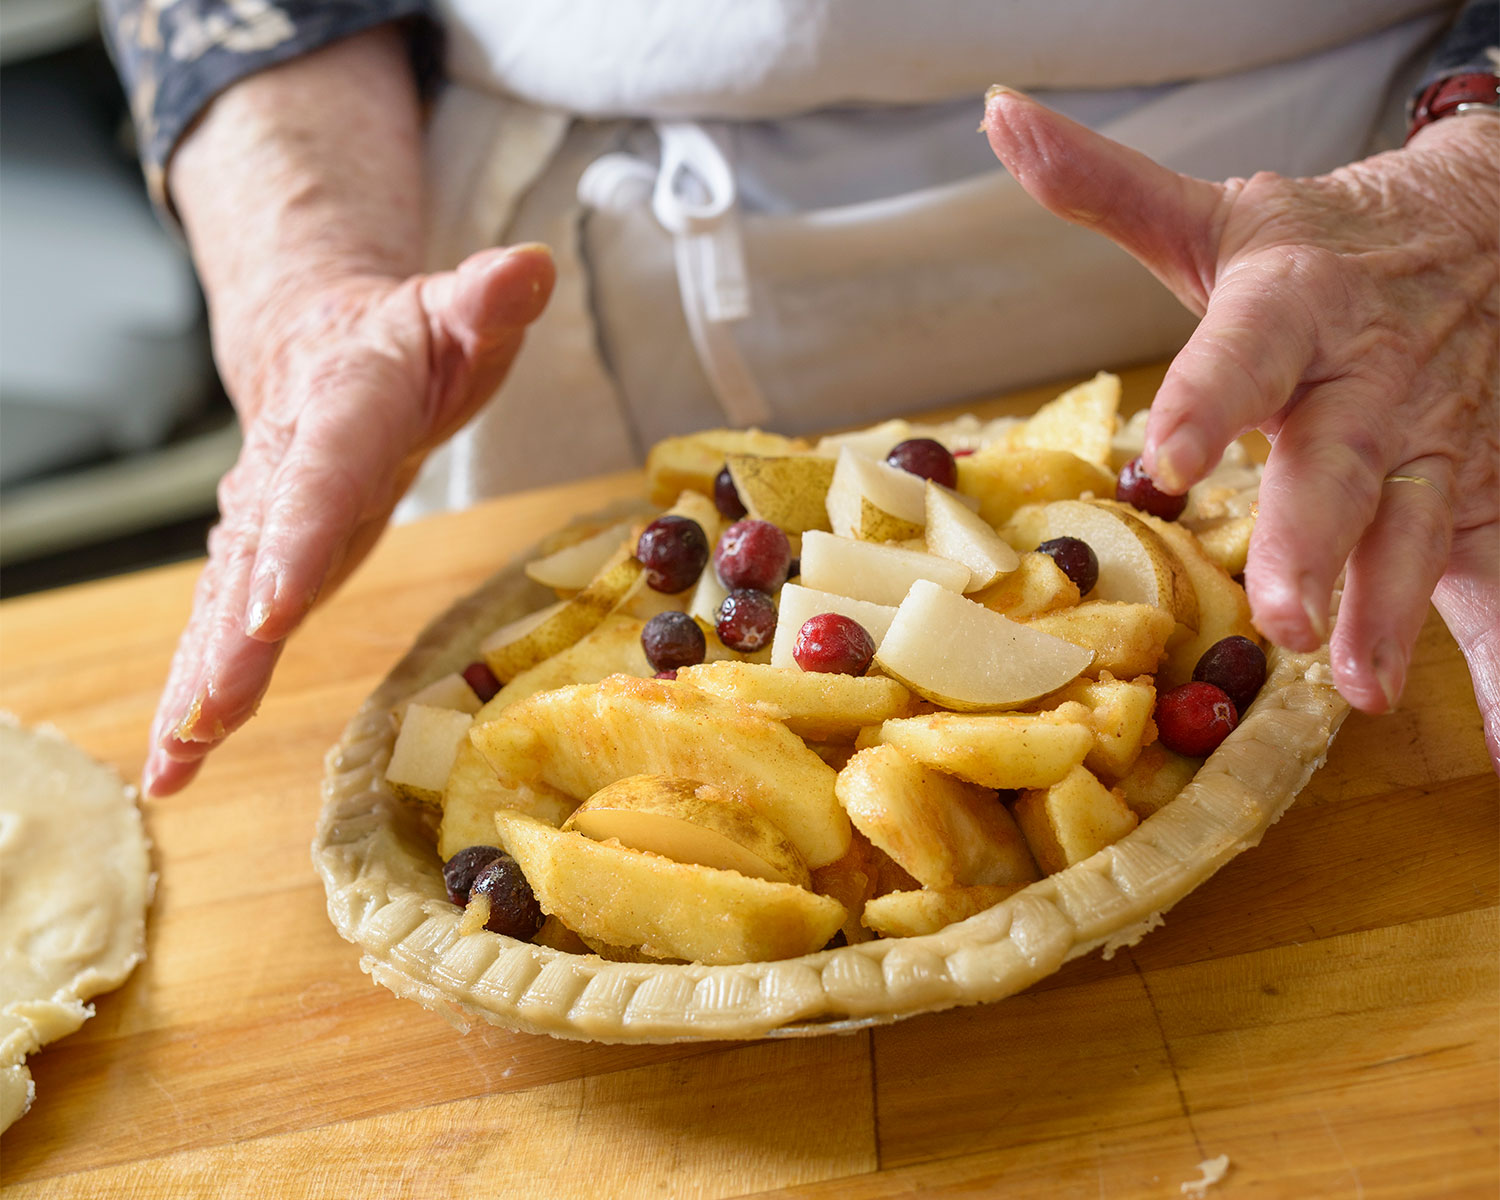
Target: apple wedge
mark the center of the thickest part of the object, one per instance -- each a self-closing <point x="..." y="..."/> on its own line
<point x="996" y="750"/>
<point x="424" y="750"/>
<point x="790" y="491"/>
<point x="609" y="893"/>
<point x="912" y="914"/>
<point x="583" y="738"/>
<point x="963" y="656"/>
<point x="1037" y="585"/>
<point x="573" y="567"/>
<point x="823" y="707"/>
<point x="1122" y="712"/>
<point x="796" y="604"/>
<point x="689" y="822"/>
<point x="873" y="501"/>
<point x="677" y="464"/>
<point x="871" y="571"/>
<point x="943" y="831"/>
<point x="1136" y="566"/>
<point x="1081" y="421"/>
<point x="532" y="639"/>
<point x="1072" y="820"/>
<point x="474" y="793"/>
<point x="952" y="530"/>
<point x="1155" y="779"/>
<point x="1006" y="480"/>
<point x="1126" y="639"/>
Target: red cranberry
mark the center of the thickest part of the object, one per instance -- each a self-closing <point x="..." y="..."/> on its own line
<point x="671" y="640"/>
<point x="1194" y="718"/>
<point x="482" y="680"/>
<point x="460" y="871"/>
<point x="925" y="457"/>
<point x="1076" y="559"/>
<point x="1135" y="487"/>
<point x="752" y="554"/>
<point x="727" y="496"/>
<point x="962" y="453"/>
<point x="1237" y="666"/>
<point x="668" y="675"/>
<point x="673" y="550"/>
<point x="514" y="910"/>
<point x="834" y="644"/>
<point x="746" y="620"/>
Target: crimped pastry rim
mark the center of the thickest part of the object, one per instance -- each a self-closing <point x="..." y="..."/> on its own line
<point x="378" y="861"/>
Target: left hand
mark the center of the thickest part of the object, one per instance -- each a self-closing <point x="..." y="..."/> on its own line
<point x="1353" y="318"/>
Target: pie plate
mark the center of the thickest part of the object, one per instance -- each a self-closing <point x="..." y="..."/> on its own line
<point x="378" y="860"/>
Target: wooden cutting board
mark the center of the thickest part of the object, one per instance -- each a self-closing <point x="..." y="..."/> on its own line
<point x="1323" y="1012"/>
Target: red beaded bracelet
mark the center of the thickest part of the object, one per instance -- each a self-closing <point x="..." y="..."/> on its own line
<point x="1455" y="94"/>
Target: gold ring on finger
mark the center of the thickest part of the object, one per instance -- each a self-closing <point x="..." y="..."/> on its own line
<point x="1399" y="477"/>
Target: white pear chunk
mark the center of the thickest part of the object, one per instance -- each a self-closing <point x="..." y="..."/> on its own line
<point x="797" y="603"/>
<point x="872" y="571"/>
<point x="873" y="500"/>
<point x="1136" y="566"/>
<point x="963" y="656"/>
<point x="708" y="595"/>
<point x="424" y="752"/>
<point x="690" y="822"/>
<point x="953" y="531"/>
<point x="573" y="567"/>
<point x="875" y="442"/>
<point x="447" y="691"/>
<point x="623" y="897"/>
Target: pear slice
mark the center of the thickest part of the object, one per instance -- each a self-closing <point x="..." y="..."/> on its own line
<point x="870" y="571"/>
<point x="689" y="822"/>
<point x="573" y="567"/>
<point x="609" y="893"/>
<point x="874" y="442"/>
<point x="796" y="604"/>
<point x="790" y="491"/>
<point x="450" y="691"/>
<point x="953" y="531"/>
<point x="692" y="462"/>
<point x="424" y="751"/>
<point x="524" y="643"/>
<point x="874" y="501"/>
<point x="963" y="656"/>
<point x="1136" y="566"/>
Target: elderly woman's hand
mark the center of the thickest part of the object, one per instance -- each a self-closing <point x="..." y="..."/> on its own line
<point x="1354" y="319"/>
<point x="341" y="397"/>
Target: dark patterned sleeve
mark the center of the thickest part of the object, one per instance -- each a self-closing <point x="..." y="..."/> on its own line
<point x="175" y="56"/>
<point x="1470" y="47"/>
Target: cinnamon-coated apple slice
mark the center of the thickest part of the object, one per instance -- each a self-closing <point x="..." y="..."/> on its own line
<point x="961" y="655"/>
<point x="690" y="822"/>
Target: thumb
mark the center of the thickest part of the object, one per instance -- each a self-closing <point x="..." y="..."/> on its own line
<point x="1170" y="222"/>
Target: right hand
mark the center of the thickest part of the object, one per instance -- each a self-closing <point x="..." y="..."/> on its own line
<point x="342" y="390"/>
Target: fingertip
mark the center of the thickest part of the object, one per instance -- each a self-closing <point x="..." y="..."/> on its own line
<point x="163" y="776"/>
<point x="508" y="286"/>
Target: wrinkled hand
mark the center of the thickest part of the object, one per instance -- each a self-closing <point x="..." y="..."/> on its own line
<point x="342" y="390"/>
<point x="1353" y="318"/>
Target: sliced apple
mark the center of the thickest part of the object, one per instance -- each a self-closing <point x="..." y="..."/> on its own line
<point x="1136" y="566"/>
<point x="1122" y="711"/>
<point x="424" y="751"/>
<point x="796" y="604"/>
<point x="513" y="648"/>
<point x="1072" y="820"/>
<point x="819" y="706"/>
<point x="677" y="464"/>
<point x="1037" y="585"/>
<point x="790" y="491"/>
<point x="997" y="750"/>
<point x="474" y="793"/>
<point x="851" y="880"/>
<point x="1081" y="421"/>
<point x="913" y="914"/>
<point x="1004" y="480"/>
<point x="874" y="501"/>
<point x="573" y="567"/>
<point x="1155" y="779"/>
<point x="943" y="831"/>
<point x="1226" y="540"/>
<point x="623" y="897"/>
<point x="689" y="822"/>
<point x="961" y="655"/>
<point x="1126" y="639"/>
<point x="954" y="531"/>
<point x="447" y="691"/>
<point x="870" y="571"/>
<point x="580" y="739"/>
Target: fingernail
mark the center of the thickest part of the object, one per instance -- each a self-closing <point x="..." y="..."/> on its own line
<point x="181" y="730"/>
<point x="1389" y="665"/>
<point x="1179" y="461"/>
<point x="1000" y="89"/>
<point x="532" y="248"/>
<point x="258" y="606"/>
<point x="1314" y="604"/>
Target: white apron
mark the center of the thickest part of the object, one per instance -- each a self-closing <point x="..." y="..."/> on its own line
<point x="778" y="212"/>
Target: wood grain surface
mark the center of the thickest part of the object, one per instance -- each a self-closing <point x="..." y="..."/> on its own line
<point x="1323" y="1012"/>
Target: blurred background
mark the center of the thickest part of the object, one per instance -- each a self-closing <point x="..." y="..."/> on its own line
<point x="113" y="427"/>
